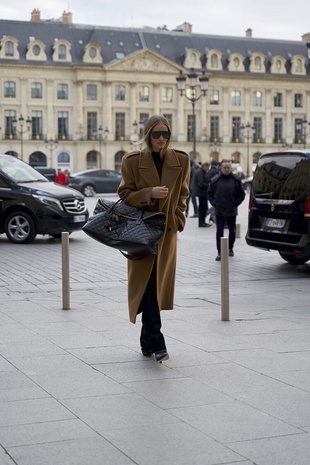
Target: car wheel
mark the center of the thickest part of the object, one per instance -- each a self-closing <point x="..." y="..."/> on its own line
<point x="89" y="191"/>
<point x="292" y="259"/>
<point x="20" y="228"/>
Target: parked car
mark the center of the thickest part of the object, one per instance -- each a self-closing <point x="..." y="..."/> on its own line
<point x="49" y="173"/>
<point x="90" y="182"/>
<point x="31" y="205"/>
<point x="279" y="205"/>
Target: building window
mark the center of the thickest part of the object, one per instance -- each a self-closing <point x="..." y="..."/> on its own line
<point x="143" y="117"/>
<point x="37" y="125"/>
<point x="214" y="61"/>
<point x="298" y="66"/>
<point x="62" y="52"/>
<point x="36" y="50"/>
<point x="298" y="100"/>
<point x="278" y="130"/>
<point x="235" y="134"/>
<point x="91" y="125"/>
<point x="91" y="159"/>
<point x="144" y="93"/>
<point x="236" y="98"/>
<point x="91" y="90"/>
<point x="190" y="127"/>
<point x="214" y="128"/>
<point x="258" y="132"/>
<point x="257" y="99"/>
<point x="277" y="100"/>
<point x="9" y="117"/>
<point x="9" y="89"/>
<point x="120" y="93"/>
<point x="119" y="126"/>
<point x="92" y="52"/>
<point x="36" y="90"/>
<point x="63" y="125"/>
<point x="168" y="117"/>
<point x="258" y="63"/>
<point x="167" y="93"/>
<point x="298" y="131"/>
<point x="214" y="97"/>
<point x="9" y="49"/>
<point x="62" y="91"/>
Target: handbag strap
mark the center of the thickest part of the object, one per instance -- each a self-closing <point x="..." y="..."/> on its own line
<point x="133" y="257"/>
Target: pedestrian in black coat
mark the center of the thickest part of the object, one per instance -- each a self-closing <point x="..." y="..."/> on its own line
<point x="200" y="189"/>
<point x="226" y="193"/>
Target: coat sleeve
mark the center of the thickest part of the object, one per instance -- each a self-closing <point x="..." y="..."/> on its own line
<point x="240" y="194"/>
<point x="184" y="193"/>
<point x="211" y="194"/>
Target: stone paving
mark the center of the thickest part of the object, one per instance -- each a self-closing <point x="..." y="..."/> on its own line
<point x="75" y="389"/>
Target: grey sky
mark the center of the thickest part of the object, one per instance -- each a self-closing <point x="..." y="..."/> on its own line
<point x="275" y="19"/>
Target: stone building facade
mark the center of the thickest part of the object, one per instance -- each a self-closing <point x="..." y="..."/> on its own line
<point x="76" y="96"/>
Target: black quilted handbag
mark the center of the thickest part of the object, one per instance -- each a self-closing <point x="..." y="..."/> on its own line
<point x="135" y="231"/>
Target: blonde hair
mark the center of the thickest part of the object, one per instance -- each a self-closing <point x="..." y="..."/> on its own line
<point x="148" y="128"/>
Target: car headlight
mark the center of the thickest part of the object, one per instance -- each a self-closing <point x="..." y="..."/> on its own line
<point x="50" y="201"/>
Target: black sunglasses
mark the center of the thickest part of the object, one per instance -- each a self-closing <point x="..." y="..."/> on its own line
<point x="157" y="134"/>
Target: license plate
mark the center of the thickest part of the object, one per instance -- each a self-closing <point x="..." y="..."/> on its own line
<point x="79" y="219"/>
<point x="275" y="223"/>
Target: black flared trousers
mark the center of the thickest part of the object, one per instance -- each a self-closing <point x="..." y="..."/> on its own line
<point x="151" y="338"/>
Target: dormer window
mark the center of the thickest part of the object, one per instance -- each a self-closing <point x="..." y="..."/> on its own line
<point x="62" y="52"/>
<point x="9" y="49"/>
<point x="36" y="50"/>
<point x="92" y="52"/>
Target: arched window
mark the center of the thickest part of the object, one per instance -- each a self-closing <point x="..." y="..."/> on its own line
<point x="91" y="159"/>
<point x="214" y="61"/>
<point x="37" y="159"/>
<point x="258" y="63"/>
<point x="118" y="160"/>
<point x="256" y="156"/>
<point x="62" y="52"/>
<point x="9" y="49"/>
<point x="235" y="158"/>
<point x="11" y="152"/>
<point x="63" y="157"/>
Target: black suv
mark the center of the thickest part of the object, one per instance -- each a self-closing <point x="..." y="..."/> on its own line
<point x="279" y="205"/>
<point x="31" y="205"/>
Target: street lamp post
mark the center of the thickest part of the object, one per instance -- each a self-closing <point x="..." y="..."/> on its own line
<point x="21" y="130"/>
<point x="248" y="129"/>
<point x="51" y="144"/>
<point x="193" y="97"/>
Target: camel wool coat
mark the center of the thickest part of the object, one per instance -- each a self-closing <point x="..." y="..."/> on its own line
<point x="139" y="176"/>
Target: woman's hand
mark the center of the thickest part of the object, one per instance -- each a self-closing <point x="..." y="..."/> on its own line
<point x="159" y="192"/>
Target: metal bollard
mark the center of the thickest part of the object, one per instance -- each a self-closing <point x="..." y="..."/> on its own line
<point x="238" y="230"/>
<point x="65" y="271"/>
<point x="224" y="279"/>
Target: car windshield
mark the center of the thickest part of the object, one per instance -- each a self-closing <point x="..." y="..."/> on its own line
<point x="283" y="175"/>
<point x="19" y="171"/>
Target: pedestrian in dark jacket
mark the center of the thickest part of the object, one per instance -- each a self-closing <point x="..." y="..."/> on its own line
<point x="226" y="193"/>
<point x="200" y="189"/>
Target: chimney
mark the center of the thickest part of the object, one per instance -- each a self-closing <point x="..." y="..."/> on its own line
<point x="67" y="18"/>
<point x="248" y="32"/>
<point x="35" y="15"/>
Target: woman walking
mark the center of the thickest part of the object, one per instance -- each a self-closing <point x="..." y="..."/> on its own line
<point x="155" y="178"/>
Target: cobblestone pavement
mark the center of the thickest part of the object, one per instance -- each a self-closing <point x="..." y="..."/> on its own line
<point x="75" y="389"/>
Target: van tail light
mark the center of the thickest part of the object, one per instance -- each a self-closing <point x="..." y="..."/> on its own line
<point x="307" y="208"/>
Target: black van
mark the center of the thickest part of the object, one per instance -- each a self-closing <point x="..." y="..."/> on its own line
<point x="30" y="204"/>
<point x="279" y="205"/>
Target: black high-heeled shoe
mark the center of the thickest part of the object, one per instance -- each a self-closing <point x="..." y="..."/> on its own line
<point x="161" y="356"/>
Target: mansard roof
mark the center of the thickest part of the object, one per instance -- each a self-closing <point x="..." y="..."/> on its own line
<point x="117" y="43"/>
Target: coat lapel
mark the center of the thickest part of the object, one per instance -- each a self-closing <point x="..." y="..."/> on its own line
<point x="148" y="169"/>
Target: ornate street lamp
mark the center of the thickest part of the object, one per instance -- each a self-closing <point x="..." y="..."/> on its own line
<point x="192" y="95"/>
<point x="249" y="129"/>
<point x="21" y="130"/>
<point x="51" y="144"/>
